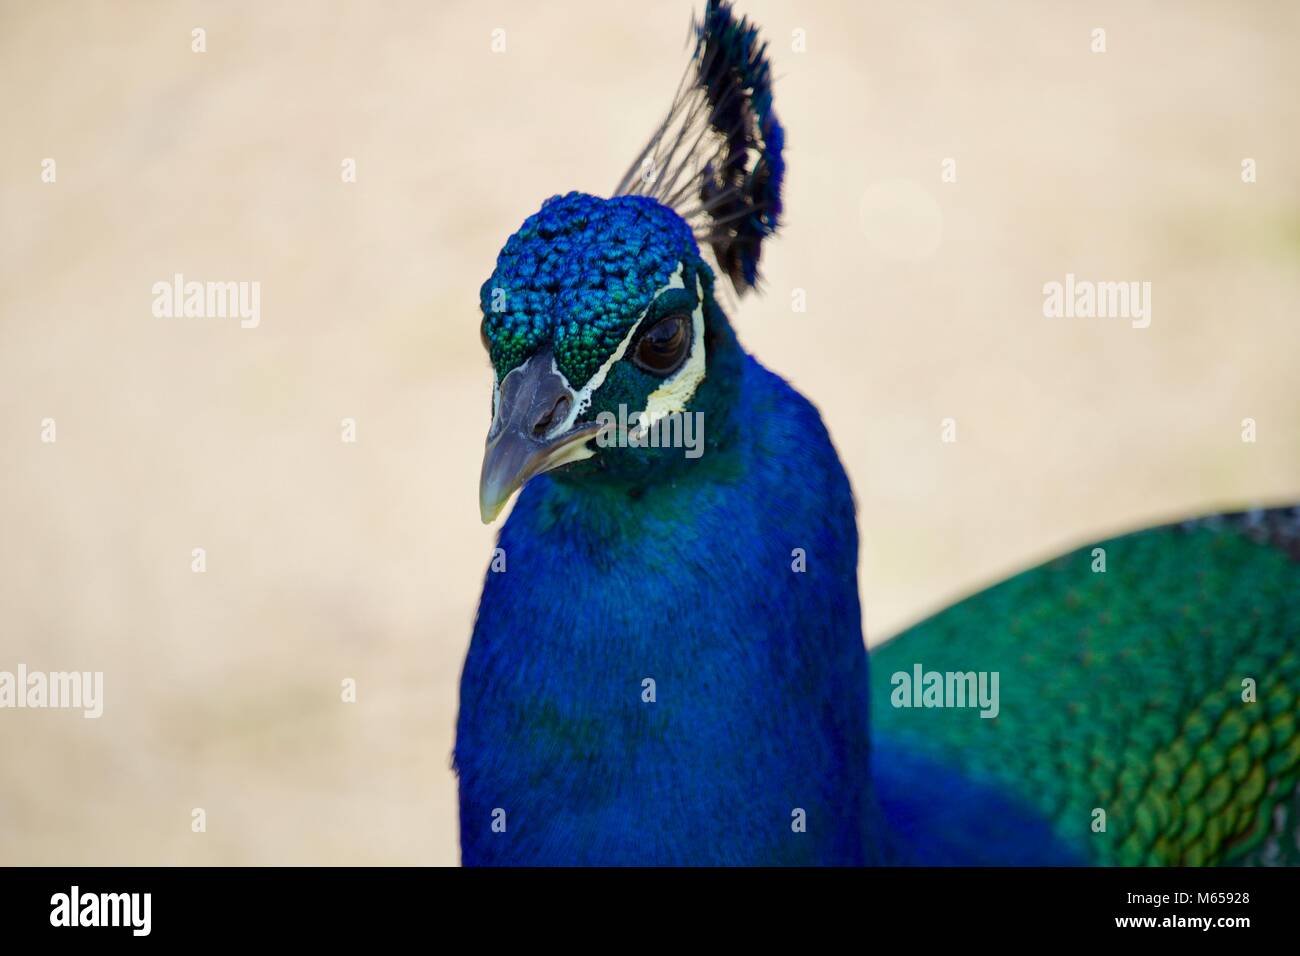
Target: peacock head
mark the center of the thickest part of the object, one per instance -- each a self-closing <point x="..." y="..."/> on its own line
<point x="596" y="313"/>
<point x="602" y="311"/>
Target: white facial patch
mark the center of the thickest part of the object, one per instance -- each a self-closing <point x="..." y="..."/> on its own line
<point x="679" y="387"/>
<point x="582" y="396"/>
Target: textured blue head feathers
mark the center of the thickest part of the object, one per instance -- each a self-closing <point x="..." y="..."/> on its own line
<point x="576" y="276"/>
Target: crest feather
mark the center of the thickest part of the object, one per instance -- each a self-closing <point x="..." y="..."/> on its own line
<point x="716" y="158"/>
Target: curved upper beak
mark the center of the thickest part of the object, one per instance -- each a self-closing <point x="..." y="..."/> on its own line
<point x="533" y="403"/>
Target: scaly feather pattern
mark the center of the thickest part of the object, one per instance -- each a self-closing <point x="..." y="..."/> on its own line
<point x="1163" y="692"/>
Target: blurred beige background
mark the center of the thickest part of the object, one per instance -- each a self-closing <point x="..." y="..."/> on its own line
<point x="329" y="560"/>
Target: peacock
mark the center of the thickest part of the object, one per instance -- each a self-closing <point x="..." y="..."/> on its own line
<point x="667" y="665"/>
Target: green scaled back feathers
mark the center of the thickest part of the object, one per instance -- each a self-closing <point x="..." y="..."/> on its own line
<point x="1164" y="691"/>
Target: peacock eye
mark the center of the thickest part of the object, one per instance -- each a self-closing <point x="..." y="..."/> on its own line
<point x="662" y="349"/>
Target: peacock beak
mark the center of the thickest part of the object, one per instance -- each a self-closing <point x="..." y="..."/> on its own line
<point x="527" y="436"/>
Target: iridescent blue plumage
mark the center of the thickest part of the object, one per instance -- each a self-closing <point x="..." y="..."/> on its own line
<point x="670" y="667"/>
<point x="760" y="673"/>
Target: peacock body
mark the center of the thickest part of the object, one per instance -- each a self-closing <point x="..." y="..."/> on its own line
<point x="668" y="666"/>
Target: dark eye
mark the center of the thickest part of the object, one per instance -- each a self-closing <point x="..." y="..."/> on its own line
<point x="664" y="346"/>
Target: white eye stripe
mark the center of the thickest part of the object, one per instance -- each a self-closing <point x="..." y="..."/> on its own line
<point x="582" y="396"/>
